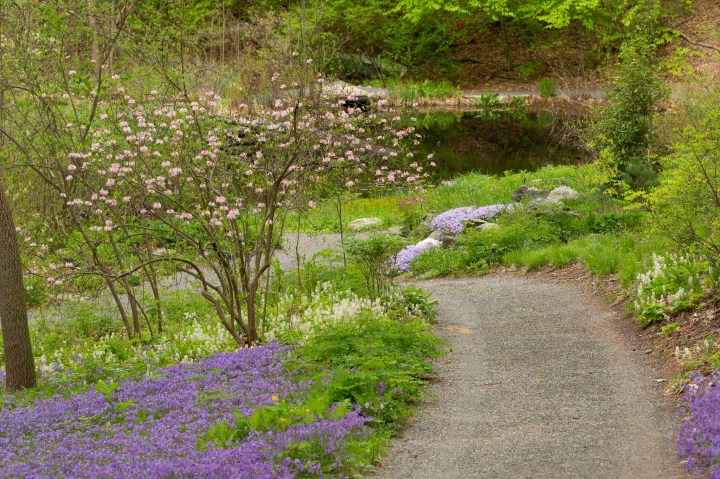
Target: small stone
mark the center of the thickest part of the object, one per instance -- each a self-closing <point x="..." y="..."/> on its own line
<point x="436" y="235"/>
<point x="363" y="223"/>
<point x="541" y="203"/>
<point x="448" y="241"/>
<point x="159" y="252"/>
<point x="486" y="226"/>
<point x="528" y="193"/>
<point x="562" y="193"/>
<point x="430" y="241"/>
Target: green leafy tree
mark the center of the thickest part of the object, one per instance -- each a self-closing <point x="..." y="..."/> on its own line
<point x="622" y="136"/>
<point x="551" y="13"/>
<point x="686" y="204"/>
<point x="378" y="29"/>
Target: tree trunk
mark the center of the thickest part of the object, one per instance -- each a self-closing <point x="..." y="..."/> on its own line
<point x="94" y="37"/>
<point x="19" y="362"/>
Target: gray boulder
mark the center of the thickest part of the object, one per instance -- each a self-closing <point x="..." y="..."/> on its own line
<point x="446" y="239"/>
<point x="556" y="196"/>
<point x="562" y="193"/>
<point x="436" y="235"/>
<point x="528" y="193"/>
<point x="432" y="243"/>
<point x="542" y="203"/>
<point x="363" y="223"/>
<point x="486" y="226"/>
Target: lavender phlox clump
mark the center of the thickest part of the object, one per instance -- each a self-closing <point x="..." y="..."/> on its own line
<point x="406" y="255"/>
<point x="452" y="221"/>
<point x="699" y="436"/>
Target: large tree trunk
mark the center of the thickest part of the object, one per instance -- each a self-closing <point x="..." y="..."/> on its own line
<point x="19" y="362"/>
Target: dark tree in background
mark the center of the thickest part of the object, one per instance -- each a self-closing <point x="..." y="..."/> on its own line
<point x="19" y="362"/>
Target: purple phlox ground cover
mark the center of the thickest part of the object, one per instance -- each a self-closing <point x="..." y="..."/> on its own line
<point x="406" y="255"/>
<point x="699" y="436"/>
<point x="452" y="221"/>
<point x="449" y="222"/>
<point x="150" y="428"/>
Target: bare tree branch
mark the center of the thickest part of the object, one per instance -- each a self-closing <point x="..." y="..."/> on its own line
<point x="697" y="44"/>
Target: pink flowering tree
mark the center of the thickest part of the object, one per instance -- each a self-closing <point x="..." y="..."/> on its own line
<point x="392" y="167"/>
<point x="137" y="184"/>
<point x="165" y="183"/>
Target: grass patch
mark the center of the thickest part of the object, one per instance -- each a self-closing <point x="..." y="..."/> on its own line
<point x="626" y="254"/>
<point x="398" y="208"/>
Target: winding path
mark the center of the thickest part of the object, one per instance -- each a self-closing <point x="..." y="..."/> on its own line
<point x="541" y="384"/>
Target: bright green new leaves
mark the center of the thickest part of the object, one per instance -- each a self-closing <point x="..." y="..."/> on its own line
<point x="686" y="205"/>
<point x="559" y="13"/>
<point x="550" y="13"/>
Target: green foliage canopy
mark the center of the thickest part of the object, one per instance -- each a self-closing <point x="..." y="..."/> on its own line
<point x="548" y="13"/>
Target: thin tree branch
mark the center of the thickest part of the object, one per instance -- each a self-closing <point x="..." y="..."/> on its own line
<point x="697" y="44"/>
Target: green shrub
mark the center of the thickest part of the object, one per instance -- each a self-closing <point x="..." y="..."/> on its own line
<point x="442" y="262"/>
<point x="624" y="253"/>
<point x="614" y="222"/>
<point x="415" y="300"/>
<point x="670" y="329"/>
<point x="557" y="255"/>
<point x="377" y="363"/>
<point x="372" y="258"/>
<point x="686" y="204"/>
<point x="621" y="135"/>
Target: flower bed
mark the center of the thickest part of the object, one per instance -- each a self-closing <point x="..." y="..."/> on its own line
<point x="181" y="422"/>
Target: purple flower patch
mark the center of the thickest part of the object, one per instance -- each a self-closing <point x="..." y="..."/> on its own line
<point x="151" y="428"/>
<point x="406" y="255"/>
<point x="699" y="436"/>
<point x="451" y="221"/>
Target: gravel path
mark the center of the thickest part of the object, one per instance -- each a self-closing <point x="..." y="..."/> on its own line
<point x="307" y="247"/>
<point x="541" y="384"/>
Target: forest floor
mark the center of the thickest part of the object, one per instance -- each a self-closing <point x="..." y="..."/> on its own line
<point x="543" y="381"/>
<point x="485" y="63"/>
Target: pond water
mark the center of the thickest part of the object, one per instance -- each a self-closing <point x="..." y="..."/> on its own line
<point x="495" y="142"/>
